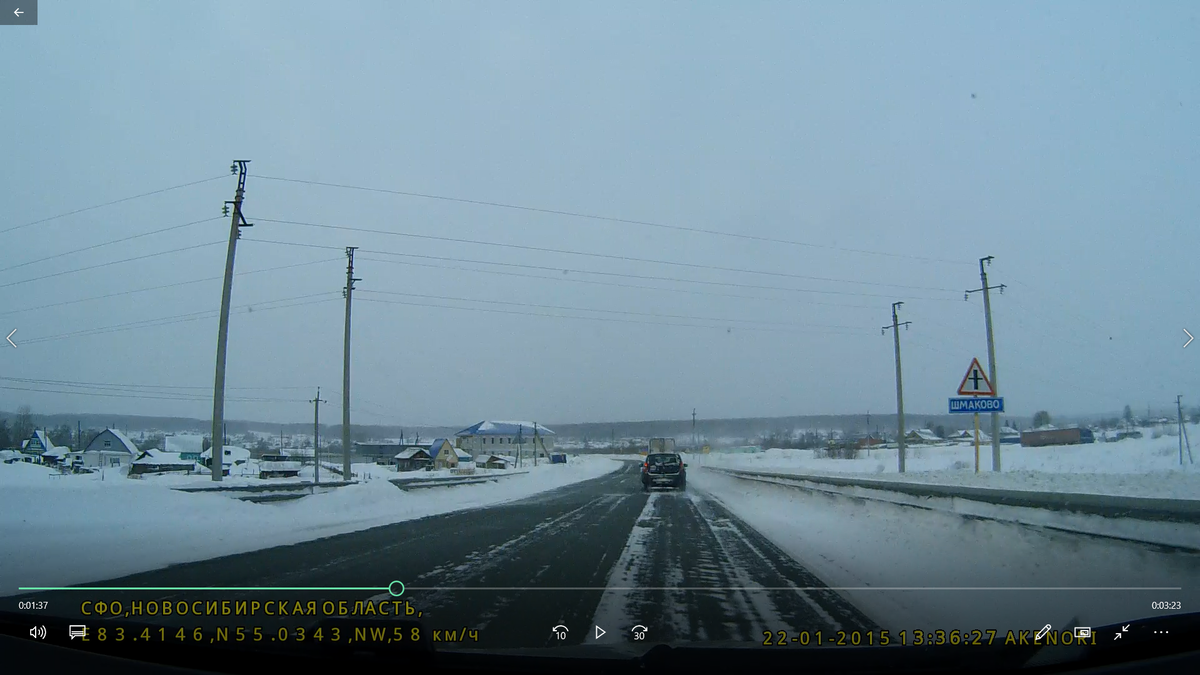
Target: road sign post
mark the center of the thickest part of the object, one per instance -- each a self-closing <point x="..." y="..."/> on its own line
<point x="976" y="395"/>
<point x="976" y="442"/>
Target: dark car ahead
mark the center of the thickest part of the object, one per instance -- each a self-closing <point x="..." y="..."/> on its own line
<point x="664" y="469"/>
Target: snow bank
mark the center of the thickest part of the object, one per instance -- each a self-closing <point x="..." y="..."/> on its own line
<point x="908" y="569"/>
<point x="1144" y="467"/>
<point x="58" y="530"/>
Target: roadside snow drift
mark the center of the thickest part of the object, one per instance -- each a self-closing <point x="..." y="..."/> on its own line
<point x="70" y="529"/>
<point x="1143" y="467"/>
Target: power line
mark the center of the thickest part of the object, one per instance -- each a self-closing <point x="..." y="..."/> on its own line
<point x="626" y="221"/>
<point x="602" y="319"/>
<point x="612" y="311"/>
<point x="147" y="397"/>
<point x="111" y="262"/>
<point x="619" y="285"/>
<point x="109" y="243"/>
<point x="163" y="286"/>
<point x="115" y="201"/>
<point x="607" y="274"/>
<point x="180" y="318"/>
<point x="605" y="256"/>
<point x="102" y="385"/>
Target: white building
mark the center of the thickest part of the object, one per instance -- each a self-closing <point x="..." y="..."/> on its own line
<point x="506" y="438"/>
<point x="110" y="449"/>
<point x="235" y="456"/>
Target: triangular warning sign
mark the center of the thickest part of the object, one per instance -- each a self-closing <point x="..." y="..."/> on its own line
<point x="975" y="382"/>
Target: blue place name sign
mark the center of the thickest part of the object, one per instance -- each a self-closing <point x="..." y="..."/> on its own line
<point x="977" y="404"/>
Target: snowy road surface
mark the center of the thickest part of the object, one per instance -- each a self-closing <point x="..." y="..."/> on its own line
<point x="598" y="551"/>
<point x="723" y="562"/>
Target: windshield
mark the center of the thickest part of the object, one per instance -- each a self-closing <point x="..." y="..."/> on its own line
<point x="601" y="325"/>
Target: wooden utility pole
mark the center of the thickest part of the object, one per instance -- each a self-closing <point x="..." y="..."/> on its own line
<point x="693" y="429"/>
<point x="348" y="292"/>
<point x="236" y="223"/>
<point x="899" y="382"/>
<point x="316" y="435"/>
<point x="991" y="347"/>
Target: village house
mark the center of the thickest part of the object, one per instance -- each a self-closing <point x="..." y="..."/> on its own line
<point x="187" y="446"/>
<point x="154" y="461"/>
<point x="495" y="461"/>
<point x="39" y="449"/>
<point x="969" y="435"/>
<point x="921" y="437"/>
<point x="235" y="456"/>
<point x="109" y="449"/>
<point x="446" y="456"/>
<point x="380" y="453"/>
<point x="413" y="458"/>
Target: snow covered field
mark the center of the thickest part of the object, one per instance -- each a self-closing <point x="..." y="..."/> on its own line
<point x="1143" y="467"/>
<point x="69" y="529"/>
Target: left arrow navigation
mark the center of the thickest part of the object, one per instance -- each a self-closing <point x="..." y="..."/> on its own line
<point x="9" y="338"/>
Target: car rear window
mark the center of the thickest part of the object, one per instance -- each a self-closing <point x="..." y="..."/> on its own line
<point x="664" y="459"/>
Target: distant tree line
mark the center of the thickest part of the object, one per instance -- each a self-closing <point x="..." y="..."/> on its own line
<point x="804" y="441"/>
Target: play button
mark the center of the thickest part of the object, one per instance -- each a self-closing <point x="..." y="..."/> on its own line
<point x="600" y="632"/>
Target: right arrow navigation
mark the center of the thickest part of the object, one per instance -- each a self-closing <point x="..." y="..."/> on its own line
<point x="600" y="632"/>
<point x="1190" y="338"/>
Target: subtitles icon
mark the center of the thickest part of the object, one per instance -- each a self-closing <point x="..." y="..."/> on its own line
<point x="76" y="630"/>
<point x="1082" y="632"/>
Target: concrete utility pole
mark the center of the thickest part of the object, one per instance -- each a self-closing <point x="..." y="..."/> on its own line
<point x="1183" y="434"/>
<point x="899" y="382"/>
<point x="316" y="436"/>
<point x="535" y="444"/>
<point x="520" y="443"/>
<point x="1179" y="411"/>
<point x="991" y="346"/>
<point x="236" y="223"/>
<point x="348" y="292"/>
<point x="693" y="429"/>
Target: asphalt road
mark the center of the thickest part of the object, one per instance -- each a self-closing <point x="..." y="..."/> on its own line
<point x="600" y="552"/>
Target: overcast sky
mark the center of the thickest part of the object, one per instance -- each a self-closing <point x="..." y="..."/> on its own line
<point x="864" y="153"/>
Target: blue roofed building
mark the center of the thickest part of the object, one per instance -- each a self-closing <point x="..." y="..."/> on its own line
<point x="506" y="438"/>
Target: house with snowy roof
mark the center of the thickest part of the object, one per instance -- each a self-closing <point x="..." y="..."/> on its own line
<point x="969" y="435"/>
<point x="235" y="456"/>
<point x="446" y="456"/>
<point x="921" y="437"/>
<point x="506" y="438"/>
<point x="413" y="458"/>
<point x="153" y="460"/>
<point x="187" y="446"/>
<point x="110" y="449"/>
<point x="490" y="461"/>
<point x="39" y="449"/>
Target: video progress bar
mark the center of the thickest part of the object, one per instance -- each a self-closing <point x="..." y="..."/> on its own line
<point x="522" y="589"/>
<point x="791" y="588"/>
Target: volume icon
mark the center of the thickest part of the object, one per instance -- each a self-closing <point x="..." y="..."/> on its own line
<point x="38" y="632"/>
